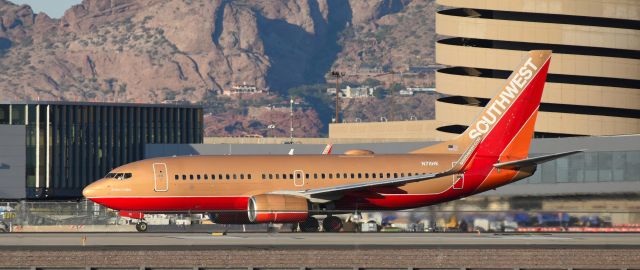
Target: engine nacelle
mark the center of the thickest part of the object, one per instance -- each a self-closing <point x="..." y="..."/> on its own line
<point x="277" y="208"/>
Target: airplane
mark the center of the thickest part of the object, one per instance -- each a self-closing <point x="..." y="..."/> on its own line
<point x="492" y="152"/>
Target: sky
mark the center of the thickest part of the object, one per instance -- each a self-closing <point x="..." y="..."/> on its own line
<point x="53" y="8"/>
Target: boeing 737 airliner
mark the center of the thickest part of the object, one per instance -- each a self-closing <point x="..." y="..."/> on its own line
<point x="491" y="153"/>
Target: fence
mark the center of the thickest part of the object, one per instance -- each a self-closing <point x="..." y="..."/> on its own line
<point x="87" y="216"/>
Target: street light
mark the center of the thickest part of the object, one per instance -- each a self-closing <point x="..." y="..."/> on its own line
<point x="338" y="75"/>
<point x="272" y="127"/>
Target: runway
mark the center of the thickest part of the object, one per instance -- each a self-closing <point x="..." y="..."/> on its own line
<point x="319" y="250"/>
<point x="334" y="240"/>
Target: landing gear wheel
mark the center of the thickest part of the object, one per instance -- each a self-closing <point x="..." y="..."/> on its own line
<point x="141" y="226"/>
<point x="332" y="224"/>
<point x="309" y="225"/>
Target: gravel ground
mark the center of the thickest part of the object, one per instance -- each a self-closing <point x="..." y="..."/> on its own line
<point x="191" y="256"/>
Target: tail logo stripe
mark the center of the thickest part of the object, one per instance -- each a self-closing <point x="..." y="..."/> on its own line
<point x="498" y="106"/>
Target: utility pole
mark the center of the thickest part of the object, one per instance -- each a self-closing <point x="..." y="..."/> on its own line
<point x="291" y="121"/>
<point x="338" y="75"/>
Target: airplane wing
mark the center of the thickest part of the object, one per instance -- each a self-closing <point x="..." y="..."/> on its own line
<point x="459" y="166"/>
<point x="533" y="161"/>
<point x="389" y="182"/>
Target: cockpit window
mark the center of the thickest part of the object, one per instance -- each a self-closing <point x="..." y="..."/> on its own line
<point x="119" y="176"/>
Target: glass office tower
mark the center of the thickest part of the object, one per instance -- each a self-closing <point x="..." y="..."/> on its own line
<point x="70" y="144"/>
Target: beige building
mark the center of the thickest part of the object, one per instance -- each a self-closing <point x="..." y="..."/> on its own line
<point x="593" y="86"/>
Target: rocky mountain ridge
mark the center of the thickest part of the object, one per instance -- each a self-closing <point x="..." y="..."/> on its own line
<point x="189" y="50"/>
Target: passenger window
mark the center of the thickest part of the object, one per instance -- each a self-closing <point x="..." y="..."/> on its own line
<point x="198" y="176"/>
<point x="373" y="175"/>
<point x="359" y="175"/>
<point x="366" y="175"/>
<point x="227" y="176"/>
<point x="330" y="176"/>
<point x="395" y="175"/>
<point x="277" y="176"/>
<point x="315" y="176"/>
<point x="242" y="176"/>
<point x="177" y="177"/>
<point x="184" y="177"/>
<point x="388" y="175"/>
<point x="306" y="176"/>
<point x="401" y="174"/>
<point x="345" y="176"/>
<point x="284" y="176"/>
<point x="290" y="176"/>
<point x="191" y="176"/>
<point x="219" y="176"/>
<point x="353" y="176"/>
<point x="337" y="175"/>
<point x="249" y="176"/>
<point x="213" y="177"/>
<point x="235" y="176"/>
<point x="322" y="175"/>
<point x="206" y="177"/>
<point x="409" y="174"/>
<point x="270" y="176"/>
<point x="299" y="175"/>
<point x="381" y="175"/>
<point x="264" y="176"/>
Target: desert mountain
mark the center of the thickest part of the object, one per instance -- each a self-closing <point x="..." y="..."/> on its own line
<point x="157" y="50"/>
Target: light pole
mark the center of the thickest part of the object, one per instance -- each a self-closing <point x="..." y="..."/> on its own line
<point x="272" y="127"/>
<point x="338" y="75"/>
<point x="291" y="121"/>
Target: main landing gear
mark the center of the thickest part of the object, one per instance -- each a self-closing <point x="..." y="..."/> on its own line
<point x="332" y="224"/>
<point x="141" y="226"/>
<point x="309" y="225"/>
<point x="329" y="224"/>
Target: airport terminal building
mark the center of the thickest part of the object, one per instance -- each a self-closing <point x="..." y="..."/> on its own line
<point x="54" y="149"/>
<point x="609" y="165"/>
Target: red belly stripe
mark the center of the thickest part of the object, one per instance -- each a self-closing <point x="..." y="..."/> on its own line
<point x="169" y="204"/>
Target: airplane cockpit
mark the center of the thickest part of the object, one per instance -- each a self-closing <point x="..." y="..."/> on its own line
<point x="118" y="176"/>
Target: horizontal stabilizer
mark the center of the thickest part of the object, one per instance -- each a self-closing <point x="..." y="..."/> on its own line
<point x="533" y="161"/>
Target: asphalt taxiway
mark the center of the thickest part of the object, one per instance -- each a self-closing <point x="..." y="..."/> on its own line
<point x="319" y="250"/>
<point x="337" y="240"/>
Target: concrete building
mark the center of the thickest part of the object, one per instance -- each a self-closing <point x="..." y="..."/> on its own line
<point x="54" y="149"/>
<point x="242" y="89"/>
<point x="593" y="86"/>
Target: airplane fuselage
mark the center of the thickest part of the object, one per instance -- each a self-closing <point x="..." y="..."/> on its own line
<point x="225" y="183"/>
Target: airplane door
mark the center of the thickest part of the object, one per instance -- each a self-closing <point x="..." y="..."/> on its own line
<point x="298" y="178"/>
<point x="161" y="181"/>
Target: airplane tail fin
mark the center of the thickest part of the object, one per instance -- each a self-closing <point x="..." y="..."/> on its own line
<point x="505" y="126"/>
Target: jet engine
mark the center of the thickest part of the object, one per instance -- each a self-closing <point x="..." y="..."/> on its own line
<point x="277" y="208"/>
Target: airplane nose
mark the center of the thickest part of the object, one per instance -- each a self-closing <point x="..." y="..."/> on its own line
<point x="92" y="190"/>
<point x="88" y="191"/>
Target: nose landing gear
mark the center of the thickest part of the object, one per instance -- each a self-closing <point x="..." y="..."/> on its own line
<point x="141" y="226"/>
